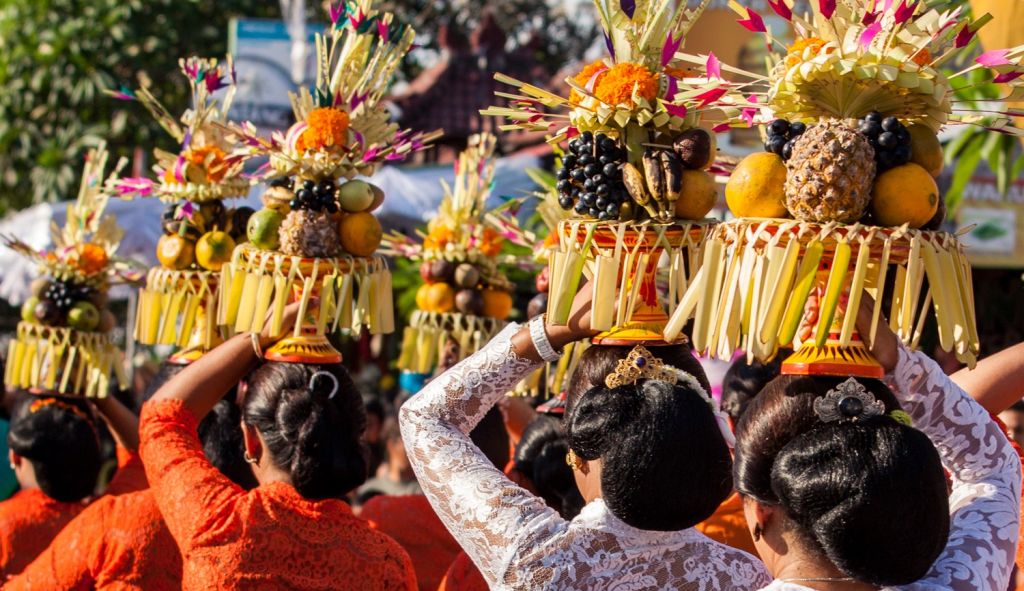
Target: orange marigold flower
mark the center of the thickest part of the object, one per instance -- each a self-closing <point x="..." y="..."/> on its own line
<point x="326" y="127"/>
<point x="92" y="258"/>
<point x="922" y="58"/>
<point x="490" y="244"/>
<point x="209" y="158"/>
<point x="583" y="78"/>
<point x="438" y="238"/>
<point x="617" y="84"/>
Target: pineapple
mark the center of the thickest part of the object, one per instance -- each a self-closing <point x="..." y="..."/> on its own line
<point x="309" y="234"/>
<point x="830" y="174"/>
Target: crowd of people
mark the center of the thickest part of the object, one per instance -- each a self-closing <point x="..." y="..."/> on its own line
<point x="242" y="473"/>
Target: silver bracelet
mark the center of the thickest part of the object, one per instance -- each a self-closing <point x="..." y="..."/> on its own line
<point x="540" y="339"/>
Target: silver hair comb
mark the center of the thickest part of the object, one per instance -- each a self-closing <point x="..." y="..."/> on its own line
<point x="849" y="401"/>
<point x="324" y="374"/>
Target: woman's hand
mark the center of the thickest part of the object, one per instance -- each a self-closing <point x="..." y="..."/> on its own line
<point x="288" y="320"/>
<point x="886" y="345"/>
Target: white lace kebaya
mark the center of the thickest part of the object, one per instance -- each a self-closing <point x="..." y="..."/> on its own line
<point x="517" y="541"/>
<point x="986" y="473"/>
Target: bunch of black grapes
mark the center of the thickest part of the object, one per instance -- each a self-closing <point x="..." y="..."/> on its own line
<point x="590" y="180"/>
<point x="888" y="137"/>
<point x="314" y="196"/>
<point x="781" y="135"/>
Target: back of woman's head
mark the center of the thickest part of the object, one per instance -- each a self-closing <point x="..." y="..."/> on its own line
<point x="60" y="440"/>
<point x="597" y="362"/>
<point x="540" y="456"/>
<point x="311" y="419"/>
<point x="868" y="493"/>
<point x="664" y="463"/>
<point x="223" y="443"/>
<point x="743" y="381"/>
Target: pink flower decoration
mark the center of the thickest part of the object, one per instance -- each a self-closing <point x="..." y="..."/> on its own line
<point x="964" y="37"/>
<point x="781" y="8"/>
<point x="828" y="7"/>
<point x="996" y="57"/>
<point x="753" y="22"/>
<point x="1007" y="77"/>
<point x="713" y="66"/>
<point x="382" y="30"/>
<point x="869" y="35"/>
<point x="721" y="127"/>
<point x="710" y="96"/>
<point x="668" y="51"/>
<point x="676" y="110"/>
<point x="337" y="11"/>
<point x="904" y="11"/>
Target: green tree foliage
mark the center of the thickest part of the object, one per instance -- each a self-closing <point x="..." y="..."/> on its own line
<point x="57" y="57"/>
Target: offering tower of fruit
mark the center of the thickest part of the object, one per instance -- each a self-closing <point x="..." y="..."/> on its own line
<point x="635" y="174"/>
<point x="178" y="305"/>
<point x="64" y="345"/>
<point x="465" y="298"/>
<point x="316" y="234"/>
<point x="843" y="201"/>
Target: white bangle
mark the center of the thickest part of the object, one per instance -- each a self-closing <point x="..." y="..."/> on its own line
<point x="540" y="339"/>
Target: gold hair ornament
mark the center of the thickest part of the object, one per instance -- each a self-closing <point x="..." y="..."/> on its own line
<point x="640" y="364"/>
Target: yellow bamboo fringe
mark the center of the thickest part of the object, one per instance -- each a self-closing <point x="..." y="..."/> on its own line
<point x="63" y="361"/>
<point x="755" y="293"/>
<point x="178" y="308"/>
<point x="355" y="293"/>
<point x="424" y="340"/>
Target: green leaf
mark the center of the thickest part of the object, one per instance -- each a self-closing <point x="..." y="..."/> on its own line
<point x="964" y="168"/>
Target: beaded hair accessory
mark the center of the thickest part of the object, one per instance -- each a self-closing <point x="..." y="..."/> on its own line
<point x="640" y="364"/>
<point x="848" y="401"/>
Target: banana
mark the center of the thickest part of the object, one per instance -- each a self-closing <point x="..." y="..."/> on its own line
<point x="672" y="166"/>
<point x="829" y="304"/>
<point x="634" y="182"/>
<point x="804" y="283"/>
<point x="654" y="174"/>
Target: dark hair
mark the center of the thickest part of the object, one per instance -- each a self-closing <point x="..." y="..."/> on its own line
<point x="540" y="456"/>
<point x="665" y="465"/>
<point x="62" y="445"/>
<point x="221" y="434"/>
<point x="597" y="362"/>
<point x="309" y="432"/>
<point x="743" y="381"/>
<point x="870" y="496"/>
<point x="1017" y="406"/>
<point x="164" y="373"/>
<point x="491" y="437"/>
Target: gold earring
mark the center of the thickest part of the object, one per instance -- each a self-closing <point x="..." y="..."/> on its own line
<point x="574" y="461"/>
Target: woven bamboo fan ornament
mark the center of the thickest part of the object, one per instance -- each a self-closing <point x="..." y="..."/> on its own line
<point x="843" y="201"/>
<point x="465" y="298"/>
<point x="63" y="344"/>
<point x="638" y="171"/>
<point x="316" y="235"/>
<point x="178" y="305"/>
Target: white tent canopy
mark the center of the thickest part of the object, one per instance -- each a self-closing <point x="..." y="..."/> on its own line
<point x="413" y="195"/>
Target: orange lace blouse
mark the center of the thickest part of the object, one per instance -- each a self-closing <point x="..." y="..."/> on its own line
<point x="28" y="523"/>
<point x="267" y="538"/>
<point x="118" y="542"/>
<point x="463" y="575"/>
<point x="411" y="521"/>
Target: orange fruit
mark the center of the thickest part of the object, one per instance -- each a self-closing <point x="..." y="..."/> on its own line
<point x="440" y="297"/>
<point x="906" y="194"/>
<point x="214" y="249"/>
<point x="174" y="252"/>
<point x="699" y="195"/>
<point x="757" y="187"/>
<point x="361" y="233"/>
<point x="497" y="303"/>
<point x="423" y="297"/>
<point x="925" y="149"/>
